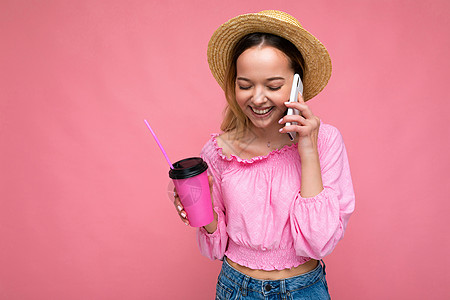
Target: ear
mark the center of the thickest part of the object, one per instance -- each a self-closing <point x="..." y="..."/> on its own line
<point x="300" y="98"/>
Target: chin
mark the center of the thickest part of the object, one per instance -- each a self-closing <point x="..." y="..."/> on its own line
<point x="263" y="124"/>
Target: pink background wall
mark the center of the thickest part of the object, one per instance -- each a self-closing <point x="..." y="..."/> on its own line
<point x="84" y="212"/>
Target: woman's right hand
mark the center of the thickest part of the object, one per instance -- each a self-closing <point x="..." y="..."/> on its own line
<point x="179" y="207"/>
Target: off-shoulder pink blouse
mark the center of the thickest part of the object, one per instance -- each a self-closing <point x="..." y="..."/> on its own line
<point x="263" y="222"/>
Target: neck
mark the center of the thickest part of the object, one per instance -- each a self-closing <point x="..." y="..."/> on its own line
<point x="270" y="137"/>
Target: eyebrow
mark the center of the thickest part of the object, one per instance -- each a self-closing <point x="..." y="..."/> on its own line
<point x="268" y="79"/>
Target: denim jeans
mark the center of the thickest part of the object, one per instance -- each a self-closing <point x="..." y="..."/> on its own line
<point x="233" y="284"/>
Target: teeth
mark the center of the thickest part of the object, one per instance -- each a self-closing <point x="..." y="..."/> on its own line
<point x="261" y="112"/>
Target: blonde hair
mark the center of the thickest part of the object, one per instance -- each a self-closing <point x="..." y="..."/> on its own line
<point x="234" y="117"/>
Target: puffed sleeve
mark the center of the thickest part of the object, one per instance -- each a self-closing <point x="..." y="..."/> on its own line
<point x="318" y="223"/>
<point x="214" y="245"/>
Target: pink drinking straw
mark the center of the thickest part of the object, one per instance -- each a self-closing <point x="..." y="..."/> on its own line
<point x="159" y="144"/>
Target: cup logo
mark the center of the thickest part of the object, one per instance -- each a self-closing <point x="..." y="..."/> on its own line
<point x="190" y="191"/>
<point x="195" y="193"/>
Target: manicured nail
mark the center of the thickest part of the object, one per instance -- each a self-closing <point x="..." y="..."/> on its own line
<point x="186" y="223"/>
<point x="183" y="215"/>
<point x="281" y="129"/>
<point x="174" y="194"/>
<point x="179" y="208"/>
<point x="281" y="120"/>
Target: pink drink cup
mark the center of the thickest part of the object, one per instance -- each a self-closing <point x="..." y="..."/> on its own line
<point x="191" y="181"/>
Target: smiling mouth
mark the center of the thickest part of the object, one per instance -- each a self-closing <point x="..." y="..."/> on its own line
<point x="261" y="111"/>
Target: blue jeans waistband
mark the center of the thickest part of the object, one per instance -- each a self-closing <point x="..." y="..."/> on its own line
<point x="272" y="286"/>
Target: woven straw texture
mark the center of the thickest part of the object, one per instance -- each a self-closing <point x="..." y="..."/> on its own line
<point x="317" y="70"/>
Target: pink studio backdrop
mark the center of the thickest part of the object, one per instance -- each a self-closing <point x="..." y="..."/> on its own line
<point x="84" y="212"/>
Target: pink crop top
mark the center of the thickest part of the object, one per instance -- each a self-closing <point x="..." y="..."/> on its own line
<point x="263" y="222"/>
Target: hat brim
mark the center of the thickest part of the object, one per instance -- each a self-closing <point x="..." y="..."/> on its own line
<point x="317" y="68"/>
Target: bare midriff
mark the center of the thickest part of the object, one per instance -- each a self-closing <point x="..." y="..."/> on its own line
<point x="275" y="274"/>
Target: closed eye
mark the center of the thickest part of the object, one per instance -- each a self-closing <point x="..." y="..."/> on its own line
<point x="244" y="87"/>
<point x="274" y="88"/>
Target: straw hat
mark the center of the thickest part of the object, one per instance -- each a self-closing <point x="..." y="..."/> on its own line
<point x="317" y="69"/>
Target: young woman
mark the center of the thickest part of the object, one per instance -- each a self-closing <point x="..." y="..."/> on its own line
<point x="280" y="206"/>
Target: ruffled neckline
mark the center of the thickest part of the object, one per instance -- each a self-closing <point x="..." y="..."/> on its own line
<point x="236" y="158"/>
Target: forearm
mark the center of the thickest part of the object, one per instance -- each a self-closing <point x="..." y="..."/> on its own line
<point x="311" y="176"/>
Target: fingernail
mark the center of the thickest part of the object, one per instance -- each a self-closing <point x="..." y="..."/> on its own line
<point x="186" y="223"/>
<point x="183" y="215"/>
<point x="281" y="129"/>
<point x="179" y="208"/>
<point x="286" y="102"/>
<point x="174" y="194"/>
<point x="281" y="120"/>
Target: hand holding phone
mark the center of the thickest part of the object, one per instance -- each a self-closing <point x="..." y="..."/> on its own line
<point x="297" y="87"/>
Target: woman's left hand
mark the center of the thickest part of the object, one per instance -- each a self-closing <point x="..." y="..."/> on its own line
<point x="307" y="127"/>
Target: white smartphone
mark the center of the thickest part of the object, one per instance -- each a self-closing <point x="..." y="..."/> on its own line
<point x="297" y="87"/>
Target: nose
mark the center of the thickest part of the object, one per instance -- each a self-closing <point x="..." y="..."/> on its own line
<point x="259" y="97"/>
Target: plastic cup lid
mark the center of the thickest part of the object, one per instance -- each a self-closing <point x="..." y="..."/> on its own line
<point x="187" y="168"/>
